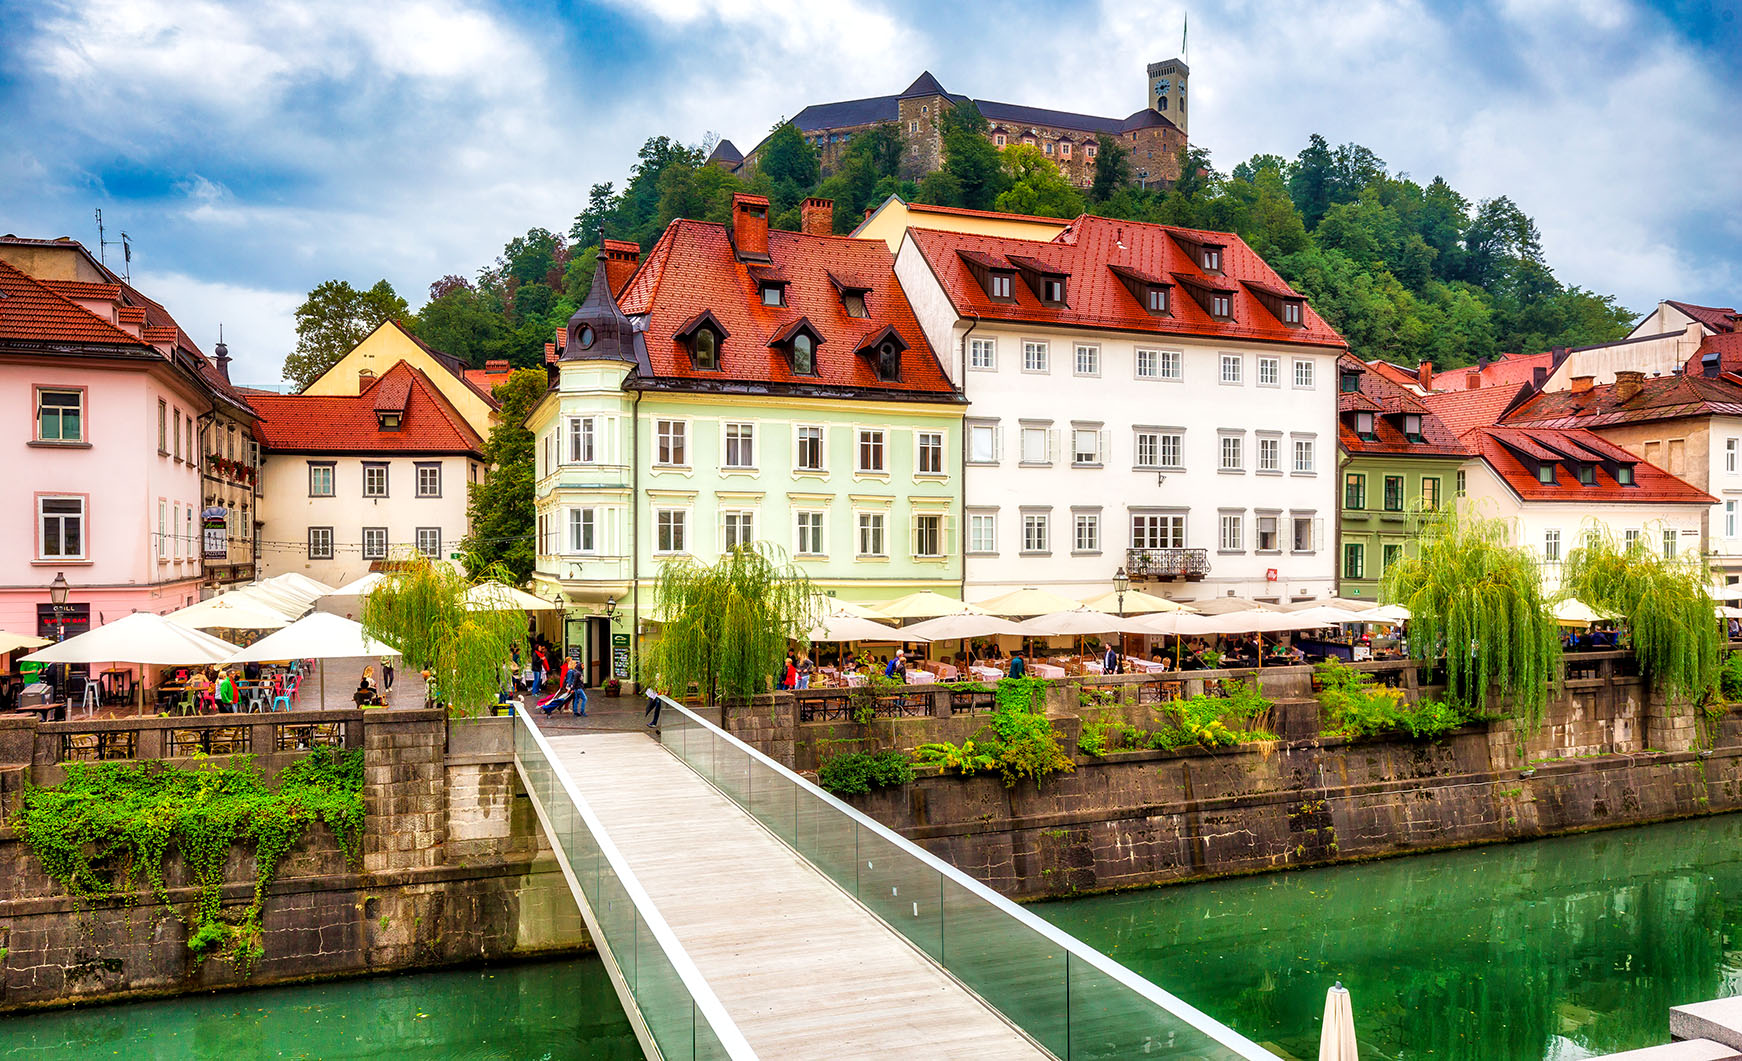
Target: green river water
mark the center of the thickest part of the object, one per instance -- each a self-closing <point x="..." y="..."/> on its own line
<point x="1546" y="951"/>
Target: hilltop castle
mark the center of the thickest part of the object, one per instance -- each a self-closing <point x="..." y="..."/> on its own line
<point x="1153" y="134"/>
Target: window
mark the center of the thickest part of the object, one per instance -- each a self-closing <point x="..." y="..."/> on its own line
<point x="670" y="435"/>
<point x="998" y="140"/>
<point x="1168" y="364"/>
<point x="583" y="530"/>
<point x="1088" y="360"/>
<point x="928" y="535"/>
<point x="60" y="415"/>
<point x="1354" y="560"/>
<point x="1303" y="373"/>
<point x="1172" y="443"/>
<point x="1459" y="482"/>
<point x="1065" y="149"/>
<point x="1089" y="149"/>
<point x="706" y="349"/>
<point x="804" y="355"/>
<point x="1269" y="455"/>
<point x="175" y="532"/>
<point x="582" y="440"/>
<point x="1157" y="300"/>
<point x="162" y="427"/>
<point x="1052" y="290"/>
<point x="1291" y="313"/>
<point x="1668" y="544"/>
<point x="809" y="539"/>
<point x="1034" y="532"/>
<point x="320" y="480"/>
<point x="871" y="534"/>
<point x="1158" y="531"/>
<point x="1551" y="546"/>
<point x="1034" y="446"/>
<point x="1233" y="537"/>
<point x="1269" y="372"/>
<point x="1304" y="459"/>
<point x="983" y="532"/>
<point x="982" y="443"/>
<point x="1391" y="554"/>
<point x="1730" y="447"/>
<point x="429" y="542"/>
<point x="1221" y="306"/>
<point x="1355" y="490"/>
<point x="1412" y="426"/>
<point x="1394" y="493"/>
<point x="62" y="528"/>
<point x="889" y="362"/>
<point x="1729" y="519"/>
<point x="854" y="303"/>
<point x="374" y="543"/>
<point x="1623" y="474"/>
<point x="1233" y="453"/>
<point x="1349" y="382"/>
<point x="1047" y="147"/>
<point x="1034" y="356"/>
<point x="774" y="294"/>
<point x="740" y="446"/>
<point x="1087" y="532"/>
<point x="429" y="480"/>
<point x="320" y="543"/>
<point x="1148" y="449"/>
<point x="740" y="529"/>
<point x="1630" y="538"/>
<point x="1001" y="285"/>
<point x="1586" y="474"/>
<point x="176" y="419"/>
<point x="1267" y="534"/>
<point x="1146" y="364"/>
<point x="1430" y="493"/>
<point x="671" y="526"/>
<point x="983" y="354"/>
<point x="1212" y="260"/>
<point x="1086" y="446"/>
<point x="1231" y="368"/>
<point x="870" y="451"/>
<point x="374" y="480"/>
<point x="1545" y="473"/>
<point x="162" y="530"/>
<point x="810" y="448"/>
<point x="928" y="447"/>
<point x="1304" y="537"/>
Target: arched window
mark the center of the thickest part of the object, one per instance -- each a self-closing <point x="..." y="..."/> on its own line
<point x="888" y="362"/>
<point x="707" y="353"/>
<point x="804" y="360"/>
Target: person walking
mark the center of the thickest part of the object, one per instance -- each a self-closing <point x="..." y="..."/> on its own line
<point x="1110" y="662"/>
<point x="1017" y="667"/>
<point x="653" y="705"/>
<point x="226" y="692"/>
<point x="540" y="668"/>
<point x="806" y="667"/>
<point x="789" y="679"/>
<point x="387" y="674"/>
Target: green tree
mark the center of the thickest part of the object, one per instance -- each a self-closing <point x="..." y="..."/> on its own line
<point x="459" y="320"/>
<point x="724" y="628"/>
<point x="1666" y="605"/>
<point x="787" y="156"/>
<point x="1036" y="186"/>
<point x="421" y="606"/>
<point x="976" y="167"/>
<point x="332" y="321"/>
<point x="500" y="507"/>
<point x="1312" y="179"/>
<point x="1112" y="168"/>
<point x="589" y="224"/>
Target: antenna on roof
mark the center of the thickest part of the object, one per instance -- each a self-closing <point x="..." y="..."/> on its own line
<point x="104" y="243"/>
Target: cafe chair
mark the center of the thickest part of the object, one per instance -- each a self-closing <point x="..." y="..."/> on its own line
<point x="256" y="699"/>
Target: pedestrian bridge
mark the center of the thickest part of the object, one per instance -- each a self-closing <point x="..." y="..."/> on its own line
<point x="741" y="912"/>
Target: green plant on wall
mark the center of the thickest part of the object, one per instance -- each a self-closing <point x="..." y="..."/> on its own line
<point x="856" y="773"/>
<point x="112" y="825"/>
<point x="420" y="607"/>
<point x="1670" y="623"/>
<point x="1018" y="740"/>
<point x="1353" y="705"/>
<point x="725" y="627"/>
<point x="1476" y="600"/>
<point x="1206" y="721"/>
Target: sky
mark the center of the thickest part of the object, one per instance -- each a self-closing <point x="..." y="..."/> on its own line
<point x="251" y="151"/>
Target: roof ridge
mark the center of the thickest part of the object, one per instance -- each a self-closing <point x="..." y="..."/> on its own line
<point x="74" y="306"/>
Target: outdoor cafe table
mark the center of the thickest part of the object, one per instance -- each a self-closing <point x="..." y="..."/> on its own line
<point x="990" y="674"/>
<point x="938" y="667"/>
<point x="1094" y="667"/>
<point x="1046" y="670"/>
<point x="921" y="677"/>
<point x="1147" y="666"/>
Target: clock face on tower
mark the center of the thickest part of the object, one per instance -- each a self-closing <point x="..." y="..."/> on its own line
<point x="1162" y="85"/>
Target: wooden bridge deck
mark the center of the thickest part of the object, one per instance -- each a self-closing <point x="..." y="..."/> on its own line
<point x="802" y="969"/>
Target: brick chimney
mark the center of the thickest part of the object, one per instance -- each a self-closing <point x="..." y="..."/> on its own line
<point x="819" y="216"/>
<point x="496" y="365"/>
<point x="1473" y="379"/>
<point x="365" y="378"/>
<point x="1582" y="384"/>
<point x="549" y="352"/>
<point x="1424" y="375"/>
<point x="750" y="227"/>
<point x="621" y="258"/>
<point x="1628" y="383"/>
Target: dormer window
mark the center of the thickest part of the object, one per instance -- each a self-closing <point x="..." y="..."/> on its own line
<point x="1624" y="475"/>
<point x="1212" y="259"/>
<point x="1046" y="281"/>
<point x="1291" y="314"/>
<point x="1052" y="290"/>
<point x="888" y="362"/>
<point x="1221" y="306"/>
<point x="705" y="350"/>
<point x="1587" y="474"/>
<point x="1157" y="301"/>
<point x="1545" y="472"/>
<point x="804" y="355"/>
<point x="389" y="420"/>
<point x="883" y="348"/>
<point x="995" y="275"/>
<point x="1364" y="427"/>
<point x="1000" y="286"/>
<point x="853" y="302"/>
<point x="1711" y="364"/>
<point x="702" y="335"/>
<point x="773" y="294"/>
<point x="799" y="340"/>
<point x="1152" y="292"/>
<point x="1412" y="426"/>
<point x="1348" y="382"/>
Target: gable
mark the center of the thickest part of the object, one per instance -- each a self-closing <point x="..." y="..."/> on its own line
<point x="385" y="347"/>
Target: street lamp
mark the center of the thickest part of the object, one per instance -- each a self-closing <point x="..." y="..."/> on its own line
<point x="57" y="598"/>
<point x="1121" y="583"/>
<point x="610" y="610"/>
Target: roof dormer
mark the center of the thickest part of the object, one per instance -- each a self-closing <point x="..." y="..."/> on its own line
<point x="703" y="336"/>
<point x="798" y="340"/>
<point x="1283" y="304"/>
<point x="853" y="294"/>
<point x="1047" y="282"/>
<point x="883" y="349"/>
<point x="1206" y="254"/>
<point x="1153" y="293"/>
<point x="997" y="276"/>
<point x="1213" y="298"/>
<point x="770" y="285"/>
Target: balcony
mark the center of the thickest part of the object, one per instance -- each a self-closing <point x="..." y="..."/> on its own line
<point x="1188" y="564"/>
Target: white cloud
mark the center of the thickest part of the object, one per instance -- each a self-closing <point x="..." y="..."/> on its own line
<point x="256" y="321"/>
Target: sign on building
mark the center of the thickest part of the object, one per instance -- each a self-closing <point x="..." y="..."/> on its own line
<point x="215" y="528"/>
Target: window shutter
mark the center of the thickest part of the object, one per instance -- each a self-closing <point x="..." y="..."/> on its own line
<point x="1101" y="446"/>
<point x="1318" y="535"/>
<point x="1052" y="444"/>
<point x="998" y="443"/>
<point x="947" y="546"/>
<point x="913" y="535"/>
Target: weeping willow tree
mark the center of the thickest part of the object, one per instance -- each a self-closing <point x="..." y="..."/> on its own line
<point x="725" y="628"/>
<point x="421" y="607"/>
<point x="1478" y="599"/>
<point x="1664" y="600"/>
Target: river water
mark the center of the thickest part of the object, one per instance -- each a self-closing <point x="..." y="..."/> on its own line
<point x="1546" y="951"/>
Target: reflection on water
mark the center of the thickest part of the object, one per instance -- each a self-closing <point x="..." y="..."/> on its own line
<point x="1557" y="949"/>
<point x="554" y="1011"/>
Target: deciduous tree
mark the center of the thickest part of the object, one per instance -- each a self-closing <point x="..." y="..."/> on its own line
<point x="332" y="320"/>
<point x="500" y="507"/>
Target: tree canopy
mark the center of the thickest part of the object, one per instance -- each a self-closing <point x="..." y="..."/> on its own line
<point x="334" y="318"/>
<point x="500" y="507"/>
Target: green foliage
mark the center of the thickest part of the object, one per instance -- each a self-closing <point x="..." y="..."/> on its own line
<point x="334" y="318"/>
<point x="1112" y="168"/>
<point x="111" y="824"/>
<point x="1475" y="598"/>
<point x="1730" y="677"/>
<point x="500" y="508"/>
<point x="1018" y="740"/>
<point x="419" y="607"/>
<point x="788" y="158"/>
<point x="1353" y="706"/>
<point x="856" y="773"/>
<point x="725" y="628"/>
<point x="1664" y="600"/>
<point x="1036" y="186"/>
<point x="973" y="173"/>
<point x="1201" y="721"/>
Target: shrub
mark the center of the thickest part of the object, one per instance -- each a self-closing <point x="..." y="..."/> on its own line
<point x="1356" y="708"/>
<point x="1018" y="741"/>
<point x="1206" y="721"/>
<point x="1730" y="677"/>
<point x="856" y="773"/>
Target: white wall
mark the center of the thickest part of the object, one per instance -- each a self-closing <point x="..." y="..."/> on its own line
<point x="1655" y="357"/>
<point x="1724" y="534"/>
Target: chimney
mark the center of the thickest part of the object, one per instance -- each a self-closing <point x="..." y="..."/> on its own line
<point x="819" y="216"/>
<point x="1582" y="384"/>
<point x="1424" y="375"/>
<point x="867" y="213"/>
<point x="1473" y="379"/>
<point x="621" y="258"/>
<point x="221" y="355"/>
<point x="496" y="365"/>
<point x="549" y="352"/>
<point x="750" y="226"/>
<point x="365" y="377"/>
<point x="1628" y="383"/>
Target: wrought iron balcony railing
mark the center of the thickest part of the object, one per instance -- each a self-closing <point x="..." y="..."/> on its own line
<point x="1189" y="564"/>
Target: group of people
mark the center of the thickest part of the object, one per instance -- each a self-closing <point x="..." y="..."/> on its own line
<point x="368" y="693"/>
<point x="798" y="670"/>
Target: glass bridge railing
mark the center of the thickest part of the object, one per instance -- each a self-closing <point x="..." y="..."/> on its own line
<point x="1067" y="996"/>
<point x="674" y="1004"/>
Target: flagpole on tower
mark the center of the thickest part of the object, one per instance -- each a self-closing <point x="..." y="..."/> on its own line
<point x="1184" y="25"/>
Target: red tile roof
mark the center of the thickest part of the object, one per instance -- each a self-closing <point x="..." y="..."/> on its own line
<point x="456" y="367"/>
<point x="962" y="211"/>
<point x="1728" y="347"/>
<point x="1095" y="296"/>
<point x="1465" y="411"/>
<point x="1658" y="398"/>
<point x="31" y="311"/>
<point x="1395" y="373"/>
<point x="692" y="270"/>
<point x="1500" y="448"/>
<point x="307" y="423"/>
<point x="1508" y="370"/>
<point x="1389" y="401"/>
<point x="1713" y="317"/>
<point x="84" y="290"/>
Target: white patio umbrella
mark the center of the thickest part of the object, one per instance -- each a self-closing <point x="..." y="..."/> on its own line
<point x="1263" y="622"/>
<point x="320" y="636"/>
<point x="961" y="627"/>
<point x="312" y="588"/>
<point x="501" y="597"/>
<point x="1224" y="605"/>
<point x="1175" y="624"/>
<point x="260" y="593"/>
<point x="143" y="638"/>
<point x="1393" y="613"/>
<point x="1348" y="604"/>
<point x="826" y="605"/>
<point x="1337" y="1036"/>
<point x="1330" y="614"/>
<point x="10" y="642"/>
<point x="1135" y="602"/>
<point x="357" y="587"/>
<point x="926" y="605"/>
<point x="1077" y="621"/>
<point x="1723" y="611"/>
<point x="1575" y="612"/>
<point x="232" y="611"/>
<point x="1731" y="592"/>
<point x="853" y="628"/>
<point x="1027" y="601"/>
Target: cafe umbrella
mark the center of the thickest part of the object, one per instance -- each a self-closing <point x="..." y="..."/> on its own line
<point x="320" y="636"/>
<point x="142" y="638"/>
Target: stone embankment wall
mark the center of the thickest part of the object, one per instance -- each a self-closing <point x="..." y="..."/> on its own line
<point x="454" y="867"/>
<point x="1608" y="754"/>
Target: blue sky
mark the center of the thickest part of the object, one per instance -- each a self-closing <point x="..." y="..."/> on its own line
<point x="252" y="151"/>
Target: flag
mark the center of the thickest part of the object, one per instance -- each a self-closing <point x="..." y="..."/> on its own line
<point x="1184" y="25"/>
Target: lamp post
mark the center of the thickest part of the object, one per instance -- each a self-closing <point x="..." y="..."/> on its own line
<point x="57" y="599"/>
<point x="610" y="610"/>
<point x="1121" y="583"/>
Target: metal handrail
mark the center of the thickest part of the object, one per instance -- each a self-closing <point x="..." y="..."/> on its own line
<point x="1190" y="1014"/>
<point x="701" y="994"/>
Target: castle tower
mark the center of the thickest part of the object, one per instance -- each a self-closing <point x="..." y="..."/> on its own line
<point x="1167" y="90"/>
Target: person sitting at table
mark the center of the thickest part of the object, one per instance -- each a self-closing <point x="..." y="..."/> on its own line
<point x="364" y="695"/>
<point x="198" y="685"/>
<point x="897" y="666"/>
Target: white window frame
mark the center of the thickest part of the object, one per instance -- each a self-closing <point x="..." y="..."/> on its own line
<point x="989" y="430"/>
<point x="1669" y="543"/>
<point x="1044" y="433"/>
<point x="1036" y="356"/>
<point x="332" y="480"/>
<point x="1036" y="533"/>
<point x="1270" y="454"/>
<point x="78" y="410"/>
<point x="1306" y="459"/>
<point x="1085" y="533"/>
<point x="1231" y="532"/>
<point x="1087" y="359"/>
<point x="1274" y="367"/>
<point x="983" y="354"/>
<point x="83" y="516"/>
<point x="810" y="528"/>
<point x="376" y="466"/>
<point x="1731" y="446"/>
<point x="737" y="528"/>
<point x="324" y="552"/>
<point x="871" y="535"/>
<point x="673" y="524"/>
<point x="1233" y="370"/>
<point x="798" y="447"/>
<point x="1146" y="363"/>
<point x="584" y="531"/>
<point x="374" y="543"/>
<point x="1158" y="530"/>
<point x="583" y="440"/>
<point x="1305" y="374"/>
<point x="939" y="545"/>
<point x="982" y="533"/>
<point x="1258" y="521"/>
<point x="1730" y="518"/>
<point x="1171" y="365"/>
<point x="931" y="442"/>
<point x="1093" y="458"/>
<point x="1224" y="450"/>
<point x="738" y="445"/>
<point x="874" y="441"/>
<point x="671" y="438"/>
